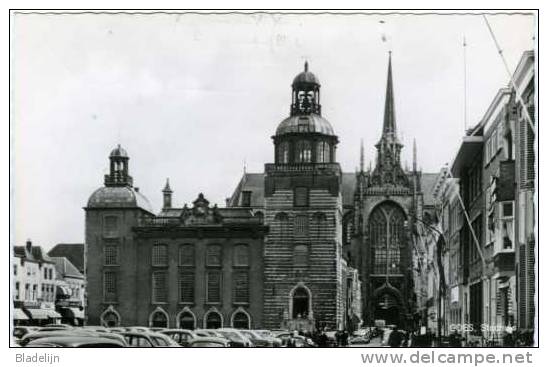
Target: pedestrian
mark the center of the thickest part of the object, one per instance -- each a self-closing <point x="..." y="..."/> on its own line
<point x="395" y="338"/>
<point x="344" y="338"/>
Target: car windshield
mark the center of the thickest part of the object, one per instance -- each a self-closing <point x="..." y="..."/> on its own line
<point x="207" y="344"/>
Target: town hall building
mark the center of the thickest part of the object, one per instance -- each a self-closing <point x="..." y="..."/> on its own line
<point x="301" y="246"/>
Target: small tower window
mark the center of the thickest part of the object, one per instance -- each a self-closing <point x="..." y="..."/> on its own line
<point x="303" y="152"/>
<point x="283" y="153"/>
<point x="301" y="225"/>
<point x="300" y="256"/>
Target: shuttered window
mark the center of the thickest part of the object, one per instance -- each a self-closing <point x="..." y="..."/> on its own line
<point x="241" y="287"/>
<point x="214" y="287"/>
<point x="186" y="286"/>
<point x="159" y="287"/>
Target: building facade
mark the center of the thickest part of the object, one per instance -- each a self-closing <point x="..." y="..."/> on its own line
<point x="188" y="267"/>
<point x="34" y="286"/>
<point x="71" y="291"/>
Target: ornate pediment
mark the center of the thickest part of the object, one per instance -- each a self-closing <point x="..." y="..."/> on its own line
<point x="200" y="213"/>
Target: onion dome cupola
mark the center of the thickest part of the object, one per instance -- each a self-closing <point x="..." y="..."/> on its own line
<point x="305" y="136"/>
<point x="118" y="191"/>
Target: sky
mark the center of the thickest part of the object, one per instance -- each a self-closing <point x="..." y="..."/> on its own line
<point x="196" y="98"/>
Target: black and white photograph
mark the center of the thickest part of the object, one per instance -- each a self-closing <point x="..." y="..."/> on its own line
<point x="274" y="179"/>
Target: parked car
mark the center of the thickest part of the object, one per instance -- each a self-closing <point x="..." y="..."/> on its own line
<point x="259" y="340"/>
<point x="52" y="333"/>
<point x="137" y="339"/>
<point x="276" y="342"/>
<point x="208" y="333"/>
<point x="209" y="342"/>
<point x="20" y="331"/>
<point x="75" y="341"/>
<point x="51" y="327"/>
<point x="139" y="329"/>
<point x="181" y="336"/>
<point x="236" y="338"/>
<point x="162" y="340"/>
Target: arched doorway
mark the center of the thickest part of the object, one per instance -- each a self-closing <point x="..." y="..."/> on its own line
<point x="213" y="320"/>
<point x="110" y="319"/>
<point x="158" y="319"/>
<point x="186" y="320"/>
<point x="301" y="303"/>
<point x="386" y="308"/>
<point x="240" y="320"/>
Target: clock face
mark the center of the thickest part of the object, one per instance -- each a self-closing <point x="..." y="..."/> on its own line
<point x="200" y="210"/>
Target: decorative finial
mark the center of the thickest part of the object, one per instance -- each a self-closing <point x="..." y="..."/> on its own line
<point x="167" y="188"/>
<point x="306" y="66"/>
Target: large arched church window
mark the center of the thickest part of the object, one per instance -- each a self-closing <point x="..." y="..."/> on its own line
<point x="303" y="153"/>
<point x="386" y="230"/>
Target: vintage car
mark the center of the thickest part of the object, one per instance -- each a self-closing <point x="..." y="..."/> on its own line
<point x="237" y="339"/>
<point x="76" y="341"/>
<point x="181" y="336"/>
<point x="138" y="339"/>
<point x="162" y="340"/>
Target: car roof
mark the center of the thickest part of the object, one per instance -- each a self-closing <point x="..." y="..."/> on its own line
<point x="209" y="339"/>
<point x="76" y="340"/>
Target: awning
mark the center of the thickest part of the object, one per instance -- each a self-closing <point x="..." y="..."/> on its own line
<point x="63" y="291"/>
<point x="53" y="314"/>
<point x="467" y="154"/>
<point x="18" y="314"/>
<point x="38" y="313"/>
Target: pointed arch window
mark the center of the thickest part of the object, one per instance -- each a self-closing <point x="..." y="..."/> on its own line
<point x="386" y="229"/>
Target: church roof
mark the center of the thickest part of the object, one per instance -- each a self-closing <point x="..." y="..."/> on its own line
<point x="253" y="182"/>
<point x="118" y="197"/>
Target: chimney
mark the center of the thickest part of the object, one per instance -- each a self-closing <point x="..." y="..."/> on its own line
<point x="28" y="246"/>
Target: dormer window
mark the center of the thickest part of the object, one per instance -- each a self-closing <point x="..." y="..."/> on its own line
<point x="246" y="198"/>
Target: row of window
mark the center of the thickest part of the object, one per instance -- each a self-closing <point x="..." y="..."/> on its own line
<point x="187" y="285"/>
<point x="185" y="320"/>
<point x="303" y="152"/>
<point x="187" y="255"/>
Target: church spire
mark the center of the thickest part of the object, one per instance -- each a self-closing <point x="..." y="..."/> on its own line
<point x="362" y="156"/>
<point x="389" y="125"/>
<point x="414" y="155"/>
